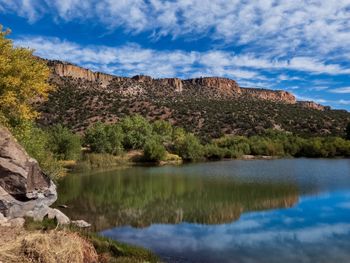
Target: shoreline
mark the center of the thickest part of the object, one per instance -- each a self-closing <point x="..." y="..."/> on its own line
<point x="133" y="159"/>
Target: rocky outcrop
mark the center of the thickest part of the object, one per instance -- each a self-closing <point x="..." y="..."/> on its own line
<point x="174" y="83"/>
<point x="220" y="84"/>
<point x="213" y="87"/>
<point x="142" y="78"/>
<point x="271" y="95"/>
<point x="312" y="105"/>
<point x="24" y="189"/>
<point x="63" y="69"/>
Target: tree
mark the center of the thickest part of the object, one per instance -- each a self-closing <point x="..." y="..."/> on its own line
<point x="23" y="78"/>
<point x="63" y="143"/>
<point x="189" y="147"/>
<point x="154" y="151"/>
<point x="104" y="138"/>
<point x="163" y="129"/>
<point x="137" y="130"/>
<point x="348" y="131"/>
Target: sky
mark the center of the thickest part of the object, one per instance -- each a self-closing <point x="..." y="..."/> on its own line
<point x="302" y="46"/>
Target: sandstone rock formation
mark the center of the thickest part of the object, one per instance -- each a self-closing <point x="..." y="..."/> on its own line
<point x="312" y="105"/>
<point x="216" y="87"/>
<point x="272" y="95"/>
<point x="69" y="70"/>
<point x="142" y="78"/>
<point x="24" y="189"/>
<point x="213" y="87"/>
<point x="174" y="83"/>
<point x="222" y="84"/>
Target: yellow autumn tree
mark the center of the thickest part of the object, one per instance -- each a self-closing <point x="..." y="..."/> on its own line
<point x="23" y="79"/>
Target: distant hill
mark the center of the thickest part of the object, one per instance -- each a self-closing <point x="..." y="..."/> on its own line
<point x="209" y="107"/>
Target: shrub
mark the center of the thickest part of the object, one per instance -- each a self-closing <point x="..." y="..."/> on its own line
<point x="154" y="151"/>
<point x="63" y="143"/>
<point x="236" y="145"/>
<point x="163" y="129"/>
<point x="214" y="152"/>
<point x="104" y="138"/>
<point x="137" y="130"/>
<point x="115" y="137"/>
<point x="348" y="131"/>
<point x="312" y="148"/>
<point x="189" y="147"/>
<point x="36" y="142"/>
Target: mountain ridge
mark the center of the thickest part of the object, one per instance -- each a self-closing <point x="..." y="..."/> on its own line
<point x="209" y="107"/>
<point x="65" y="69"/>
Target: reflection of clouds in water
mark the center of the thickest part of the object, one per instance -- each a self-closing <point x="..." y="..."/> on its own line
<point x="318" y="228"/>
<point x="345" y="205"/>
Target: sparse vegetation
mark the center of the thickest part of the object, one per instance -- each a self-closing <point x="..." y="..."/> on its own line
<point x="80" y="103"/>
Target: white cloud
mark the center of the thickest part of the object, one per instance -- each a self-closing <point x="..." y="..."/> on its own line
<point x="298" y="28"/>
<point x="341" y="90"/>
<point x="343" y="102"/>
<point x="133" y="59"/>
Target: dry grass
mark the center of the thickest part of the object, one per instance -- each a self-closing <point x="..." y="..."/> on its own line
<point x="18" y="245"/>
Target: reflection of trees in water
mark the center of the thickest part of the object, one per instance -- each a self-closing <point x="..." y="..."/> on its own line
<point x="132" y="198"/>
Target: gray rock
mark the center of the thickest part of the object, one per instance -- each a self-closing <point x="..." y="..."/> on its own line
<point x="61" y="218"/>
<point x="81" y="223"/>
<point x="24" y="189"/>
<point x="3" y="220"/>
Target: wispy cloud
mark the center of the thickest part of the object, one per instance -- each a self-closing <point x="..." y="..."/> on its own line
<point x="298" y="28"/>
<point x="341" y="90"/>
<point x="132" y="58"/>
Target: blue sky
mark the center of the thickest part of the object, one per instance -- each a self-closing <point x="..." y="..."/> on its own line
<point x="302" y="46"/>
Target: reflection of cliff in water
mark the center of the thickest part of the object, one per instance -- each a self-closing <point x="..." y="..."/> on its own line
<point x="130" y="197"/>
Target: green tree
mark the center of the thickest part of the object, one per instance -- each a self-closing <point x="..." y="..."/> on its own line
<point x="163" y="129"/>
<point x="36" y="143"/>
<point x="63" y="143"/>
<point x="189" y="147"/>
<point x="137" y="130"/>
<point x="154" y="151"/>
<point x="23" y="78"/>
<point x="104" y="138"/>
<point x="115" y="137"/>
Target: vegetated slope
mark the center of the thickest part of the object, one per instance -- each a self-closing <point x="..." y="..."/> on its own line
<point x="209" y="107"/>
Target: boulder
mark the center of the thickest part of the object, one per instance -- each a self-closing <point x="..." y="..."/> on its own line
<point x="61" y="218"/>
<point x="81" y="223"/>
<point x="25" y="190"/>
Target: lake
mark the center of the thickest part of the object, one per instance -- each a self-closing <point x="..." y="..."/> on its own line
<point x="287" y="210"/>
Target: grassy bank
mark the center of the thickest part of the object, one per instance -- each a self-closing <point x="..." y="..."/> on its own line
<point x="45" y="242"/>
<point x="136" y="140"/>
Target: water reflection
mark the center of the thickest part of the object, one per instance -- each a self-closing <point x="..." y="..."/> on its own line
<point x="294" y="210"/>
<point x="131" y="197"/>
<point x="316" y="230"/>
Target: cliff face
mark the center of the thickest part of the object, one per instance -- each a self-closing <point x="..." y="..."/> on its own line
<point x="272" y="95"/>
<point x="312" y="105"/>
<point x="212" y="87"/>
<point x="68" y="70"/>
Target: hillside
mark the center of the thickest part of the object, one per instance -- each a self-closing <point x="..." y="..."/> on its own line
<point x="210" y="107"/>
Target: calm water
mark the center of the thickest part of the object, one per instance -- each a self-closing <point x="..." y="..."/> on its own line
<point x="295" y="210"/>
